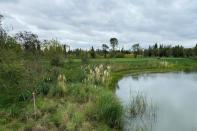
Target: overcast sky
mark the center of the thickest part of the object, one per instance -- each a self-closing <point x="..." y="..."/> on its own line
<point x="83" y="23"/>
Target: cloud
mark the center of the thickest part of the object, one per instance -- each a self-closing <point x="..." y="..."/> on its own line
<point x="83" y="23"/>
<point x="9" y="1"/>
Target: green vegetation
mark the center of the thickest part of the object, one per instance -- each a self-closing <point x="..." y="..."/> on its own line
<point x="72" y="91"/>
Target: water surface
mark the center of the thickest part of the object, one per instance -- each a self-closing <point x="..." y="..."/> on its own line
<point x="174" y="96"/>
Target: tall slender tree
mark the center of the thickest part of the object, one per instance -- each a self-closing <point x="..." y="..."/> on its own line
<point x="136" y="49"/>
<point x="114" y="44"/>
<point x="156" y="50"/>
<point x="105" y="48"/>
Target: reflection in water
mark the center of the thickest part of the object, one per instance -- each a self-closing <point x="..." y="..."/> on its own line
<point x="170" y="101"/>
<point x="140" y="114"/>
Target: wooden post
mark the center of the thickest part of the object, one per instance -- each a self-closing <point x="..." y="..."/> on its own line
<point x="34" y="99"/>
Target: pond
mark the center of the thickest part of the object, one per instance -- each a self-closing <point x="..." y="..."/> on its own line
<point x="171" y="101"/>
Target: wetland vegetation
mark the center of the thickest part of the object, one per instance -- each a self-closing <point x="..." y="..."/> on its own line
<point x="46" y="86"/>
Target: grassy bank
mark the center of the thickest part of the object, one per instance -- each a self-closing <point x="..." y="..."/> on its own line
<point x="151" y="65"/>
<point x="72" y="95"/>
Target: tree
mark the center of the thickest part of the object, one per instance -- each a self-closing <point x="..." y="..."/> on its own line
<point x="1" y="16"/>
<point x="160" y="50"/>
<point x="28" y="40"/>
<point x="66" y="49"/>
<point x="188" y="52"/>
<point x="92" y="52"/>
<point x="114" y="43"/>
<point x="156" y="50"/>
<point x="105" y="48"/>
<point x="54" y="50"/>
<point x="195" y="50"/>
<point x="3" y="34"/>
<point x="136" y="49"/>
<point x="178" y="51"/>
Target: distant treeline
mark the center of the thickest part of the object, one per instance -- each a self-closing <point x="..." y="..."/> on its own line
<point x="29" y="42"/>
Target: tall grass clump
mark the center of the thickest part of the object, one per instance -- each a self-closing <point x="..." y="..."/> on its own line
<point x="109" y="109"/>
<point x="137" y="105"/>
<point x="99" y="75"/>
<point x="43" y="87"/>
<point x="140" y="114"/>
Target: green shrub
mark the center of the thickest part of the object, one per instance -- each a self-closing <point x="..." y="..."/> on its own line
<point x="84" y="58"/>
<point x="77" y="73"/>
<point x="11" y="74"/>
<point x="57" y="61"/>
<point x="43" y="88"/>
<point x="25" y="95"/>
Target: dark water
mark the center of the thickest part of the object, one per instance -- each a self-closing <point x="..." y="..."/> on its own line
<point x="173" y="96"/>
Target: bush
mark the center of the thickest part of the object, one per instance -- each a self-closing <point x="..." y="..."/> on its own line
<point x="11" y="74"/>
<point x="57" y="61"/>
<point x="43" y="88"/>
<point x="77" y="72"/>
<point x="84" y="58"/>
<point x="25" y="95"/>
